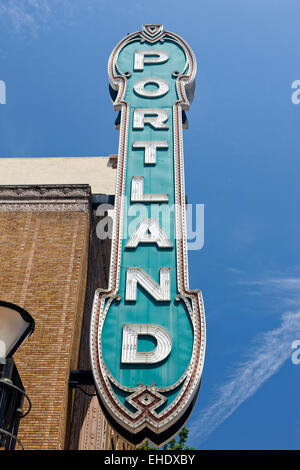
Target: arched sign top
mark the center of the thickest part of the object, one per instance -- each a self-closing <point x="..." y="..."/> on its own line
<point x="157" y="45"/>
<point x="147" y="336"/>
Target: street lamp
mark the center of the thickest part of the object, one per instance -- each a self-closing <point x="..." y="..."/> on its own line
<point x="15" y="326"/>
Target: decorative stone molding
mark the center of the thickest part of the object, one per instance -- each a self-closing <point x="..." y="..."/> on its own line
<point x="45" y="198"/>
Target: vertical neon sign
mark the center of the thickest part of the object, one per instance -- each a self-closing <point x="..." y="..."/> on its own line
<point x="148" y="328"/>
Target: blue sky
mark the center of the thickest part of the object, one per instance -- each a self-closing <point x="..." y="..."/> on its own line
<point x="241" y="161"/>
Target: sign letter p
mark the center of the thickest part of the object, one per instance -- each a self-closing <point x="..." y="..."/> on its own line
<point x="149" y="57"/>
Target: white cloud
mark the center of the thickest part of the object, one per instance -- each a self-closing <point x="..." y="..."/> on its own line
<point x="290" y="283"/>
<point x="272" y="350"/>
<point x="20" y="16"/>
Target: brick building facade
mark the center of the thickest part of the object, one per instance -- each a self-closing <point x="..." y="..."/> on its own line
<point x="51" y="264"/>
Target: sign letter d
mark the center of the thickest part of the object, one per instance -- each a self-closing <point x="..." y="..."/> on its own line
<point x="130" y="354"/>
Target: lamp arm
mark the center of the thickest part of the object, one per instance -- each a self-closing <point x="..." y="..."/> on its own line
<point x="9" y="384"/>
<point x="2" y="431"/>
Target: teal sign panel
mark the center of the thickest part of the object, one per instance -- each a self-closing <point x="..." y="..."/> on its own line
<point x="147" y="337"/>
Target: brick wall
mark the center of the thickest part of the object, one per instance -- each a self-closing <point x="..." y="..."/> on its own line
<point x="89" y="429"/>
<point x="44" y="240"/>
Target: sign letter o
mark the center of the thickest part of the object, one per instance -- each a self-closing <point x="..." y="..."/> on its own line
<point x="162" y="89"/>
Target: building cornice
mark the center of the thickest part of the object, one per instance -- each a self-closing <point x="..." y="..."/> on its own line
<point x="48" y="198"/>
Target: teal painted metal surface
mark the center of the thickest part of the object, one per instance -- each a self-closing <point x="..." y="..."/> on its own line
<point x="147" y="399"/>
